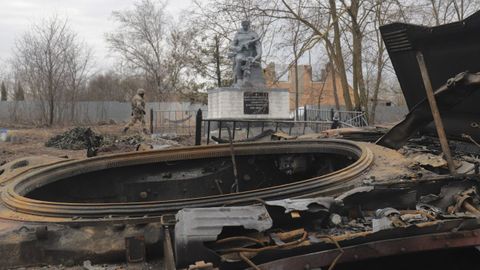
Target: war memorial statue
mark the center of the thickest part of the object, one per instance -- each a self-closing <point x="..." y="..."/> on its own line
<point x="249" y="97"/>
<point x="246" y="52"/>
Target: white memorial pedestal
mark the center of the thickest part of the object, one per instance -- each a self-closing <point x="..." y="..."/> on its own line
<point x="248" y="103"/>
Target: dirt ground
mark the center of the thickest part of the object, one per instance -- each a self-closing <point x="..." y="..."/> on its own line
<point x="27" y="141"/>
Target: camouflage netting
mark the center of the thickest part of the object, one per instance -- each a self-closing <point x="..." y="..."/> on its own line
<point x="76" y="139"/>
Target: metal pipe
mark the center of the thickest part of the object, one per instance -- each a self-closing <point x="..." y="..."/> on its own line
<point x="168" y="255"/>
<point x="442" y="136"/>
<point x="234" y="163"/>
<point x="470" y="208"/>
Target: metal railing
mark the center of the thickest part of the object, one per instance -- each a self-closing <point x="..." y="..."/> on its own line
<point x="347" y="118"/>
<point x="180" y="123"/>
<point x="252" y="128"/>
<point x="190" y="123"/>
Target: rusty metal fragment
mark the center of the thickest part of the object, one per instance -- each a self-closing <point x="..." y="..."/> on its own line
<point x="196" y="226"/>
<point x="313" y="205"/>
<point x="448" y="96"/>
<point x="135" y="249"/>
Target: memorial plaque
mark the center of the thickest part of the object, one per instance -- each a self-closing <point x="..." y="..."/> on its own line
<point x="255" y="103"/>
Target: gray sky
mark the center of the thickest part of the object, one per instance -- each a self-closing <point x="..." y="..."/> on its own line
<point x="91" y="19"/>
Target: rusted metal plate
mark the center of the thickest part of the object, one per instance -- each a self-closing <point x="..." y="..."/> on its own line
<point x="450" y="95"/>
<point x="313" y="204"/>
<point x="378" y="249"/>
<point x="449" y="49"/>
<point x="135" y="249"/>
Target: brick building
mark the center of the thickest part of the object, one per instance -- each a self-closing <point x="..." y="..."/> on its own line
<point x="310" y="92"/>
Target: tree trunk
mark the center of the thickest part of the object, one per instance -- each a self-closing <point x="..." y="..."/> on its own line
<point x="331" y="69"/>
<point x="335" y="90"/>
<point x="359" y="90"/>
<point x="296" y="81"/>
<point x="51" y="111"/>
<point x="339" y="61"/>
<point x="380" y="63"/>
<point x="217" y="60"/>
<point x="361" y="99"/>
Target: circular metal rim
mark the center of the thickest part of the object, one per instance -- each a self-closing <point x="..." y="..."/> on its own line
<point x="329" y="184"/>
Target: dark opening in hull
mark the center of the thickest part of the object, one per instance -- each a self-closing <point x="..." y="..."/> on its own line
<point x="185" y="179"/>
<point x="152" y="183"/>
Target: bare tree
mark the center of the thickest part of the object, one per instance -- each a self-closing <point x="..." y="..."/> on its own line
<point x="295" y="38"/>
<point x="113" y="86"/>
<point x="42" y="60"/>
<point x="312" y="15"/>
<point x="140" y="39"/>
<point x="337" y="53"/>
<point x="217" y="21"/>
<point x="79" y="60"/>
<point x="438" y="12"/>
<point x="382" y="14"/>
<point x="180" y="58"/>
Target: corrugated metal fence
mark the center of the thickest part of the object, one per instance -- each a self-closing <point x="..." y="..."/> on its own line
<point x="88" y="112"/>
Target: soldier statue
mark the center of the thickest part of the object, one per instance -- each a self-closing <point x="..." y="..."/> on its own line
<point x="246" y="52"/>
<point x="138" y="111"/>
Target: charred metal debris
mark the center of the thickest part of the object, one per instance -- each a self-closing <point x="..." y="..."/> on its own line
<point x="323" y="232"/>
<point x="296" y="204"/>
<point x="343" y="199"/>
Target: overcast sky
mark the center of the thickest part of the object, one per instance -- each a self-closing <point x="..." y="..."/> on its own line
<point x="91" y="19"/>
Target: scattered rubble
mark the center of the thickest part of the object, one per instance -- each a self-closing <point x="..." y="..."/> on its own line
<point x="161" y="140"/>
<point x="131" y="140"/>
<point x="356" y="217"/>
<point x="87" y="265"/>
<point x="432" y="160"/>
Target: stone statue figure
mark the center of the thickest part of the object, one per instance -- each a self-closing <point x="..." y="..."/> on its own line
<point x="246" y="52"/>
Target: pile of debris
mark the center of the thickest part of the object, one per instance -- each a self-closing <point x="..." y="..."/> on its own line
<point x="364" y="222"/>
<point x="132" y="140"/>
<point x="80" y="138"/>
<point x="77" y="138"/>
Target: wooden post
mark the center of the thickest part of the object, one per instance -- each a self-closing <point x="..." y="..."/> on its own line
<point x="198" y="128"/>
<point x="234" y="163"/>
<point x="234" y="127"/>
<point x="442" y="136"/>
<point x="151" y="121"/>
<point x="220" y="129"/>
<point x="208" y="132"/>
